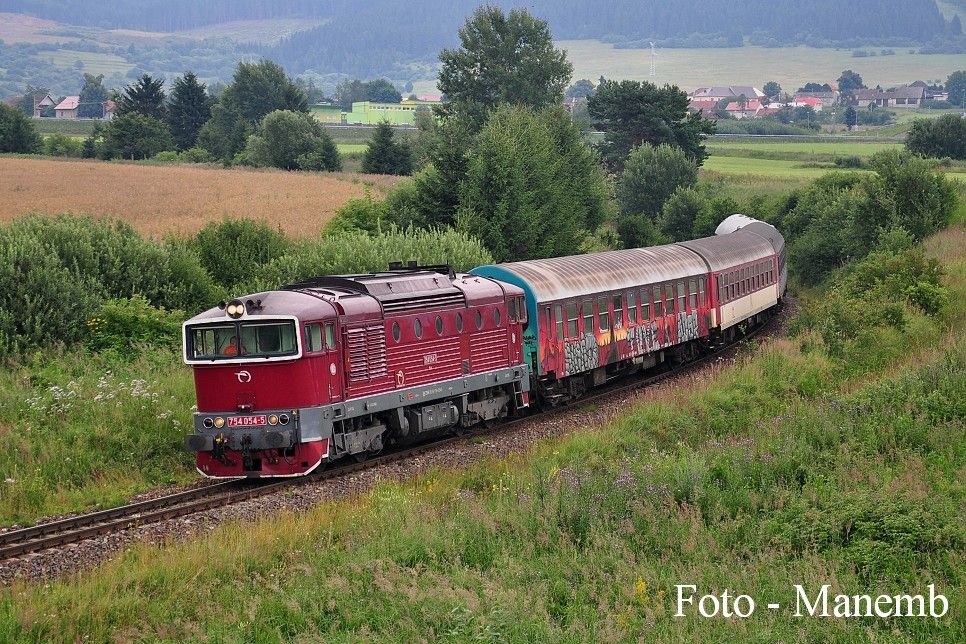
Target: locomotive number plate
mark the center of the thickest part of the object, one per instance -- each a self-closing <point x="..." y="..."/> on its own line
<point x="247" y="421"/>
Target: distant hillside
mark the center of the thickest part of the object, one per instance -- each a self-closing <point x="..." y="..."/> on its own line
<point x="622" y="19"/>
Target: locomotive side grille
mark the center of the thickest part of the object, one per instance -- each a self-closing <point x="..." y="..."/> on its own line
<point x="366" y="347"/>
<point x="420" y="302"/>
<point x="490" y="350"/>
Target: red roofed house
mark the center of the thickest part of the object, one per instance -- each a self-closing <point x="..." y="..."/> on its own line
<point x="743" y="109"/>
<point x="67" y="108"/>
<point x="802" y="101"/>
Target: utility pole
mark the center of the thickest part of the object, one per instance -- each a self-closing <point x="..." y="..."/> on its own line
<point x="653" y="61"/>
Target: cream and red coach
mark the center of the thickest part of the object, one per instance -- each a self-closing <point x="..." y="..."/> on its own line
<point x="344" y="365"/>
<point x="596" y="316"/>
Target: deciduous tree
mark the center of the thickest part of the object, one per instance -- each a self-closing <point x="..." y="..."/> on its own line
<point x="850" y="81"/>
<point x="502" y="58"/>
<point x="650" y="177"/>
<point x="956" y="88"/>
<point x="291" y="141"/>
<point x="17" y="132"/>
<point x="93" y="96"/>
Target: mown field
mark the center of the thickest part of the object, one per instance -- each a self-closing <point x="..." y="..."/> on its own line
<point x="159" y="200"/>
<point x="792" y="67"/>
<point x="790" y="466"/>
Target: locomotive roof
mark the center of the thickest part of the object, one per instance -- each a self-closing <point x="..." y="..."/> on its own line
<point x="273" y="303"/>
<point x="559" y="278"/>
<point x="724" y="251"/>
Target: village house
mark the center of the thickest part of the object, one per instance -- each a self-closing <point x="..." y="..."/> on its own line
<point x="827" y="99"/>
<point x="900" y="97"/>
<point x="732" y="91"/>
<point x="67" y="108"/>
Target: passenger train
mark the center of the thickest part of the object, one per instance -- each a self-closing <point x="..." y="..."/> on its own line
<point x="344" y="366"/>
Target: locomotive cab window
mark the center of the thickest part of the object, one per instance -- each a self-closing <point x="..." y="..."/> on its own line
<point x="511" y="309"/>
<point x="330" y="335"/>
<point x="213" y="342"/>
<point x="313" y="337"/>
<point x="266" y="339"/>
<point x="522" y="310"/>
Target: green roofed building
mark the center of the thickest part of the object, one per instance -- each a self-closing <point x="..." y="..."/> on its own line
<point x="372" y="113"/>
<point x="329" y="114"/>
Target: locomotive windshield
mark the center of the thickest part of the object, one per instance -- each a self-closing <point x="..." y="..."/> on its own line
<point x="242" y="340"/>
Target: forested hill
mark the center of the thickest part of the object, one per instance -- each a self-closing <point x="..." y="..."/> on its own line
<point x="826" y="19"/>
<point x="364" y="38"/>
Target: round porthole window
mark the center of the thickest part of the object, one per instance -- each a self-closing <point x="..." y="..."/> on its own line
<point x="459" y="322"/>
<point x="479" y="320"/>
<point x="497" y="317"/>
<point x="418" y="328"/>
<point x="395" y="331"/>
<point x="439" y="325"/>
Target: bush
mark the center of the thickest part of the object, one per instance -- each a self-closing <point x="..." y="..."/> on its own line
<point x="291" y="141"/>
<point x="849" y="162"/>
<point x="56" y="271"/>
<point x="196" y="155"/>
<point x="168" y="156"/>
<point x="234" y="249"/>
<point x="61" y="145"/>
<point x="124" y="325"/>
<point x="941" y="137"/>
<point x="360" y="252"/>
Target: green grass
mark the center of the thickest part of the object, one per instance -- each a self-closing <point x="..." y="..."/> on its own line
<point x="792" y="67"/>
<point x="783" y="469"/>
<point x="85" y="431"/>
<point x="804" y="150"/>
<point x="352" y="148"/>
<point x="64" y="126"/>
<point x="94" y="62"/>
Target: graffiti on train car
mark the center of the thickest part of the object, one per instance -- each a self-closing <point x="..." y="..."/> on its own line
<point x="643" y="338"/>
<point x="687" y="326"/>
<point x="582" y="355"/>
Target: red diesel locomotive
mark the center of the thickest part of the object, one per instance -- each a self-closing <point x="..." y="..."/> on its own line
<point x="344" y="365"/>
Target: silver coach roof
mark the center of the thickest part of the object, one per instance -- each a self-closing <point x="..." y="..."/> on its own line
<point x="559" y="278"/>
<point x="725" y="251"/>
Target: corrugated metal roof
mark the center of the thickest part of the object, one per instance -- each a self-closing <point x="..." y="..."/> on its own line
<point x="743" y="222"/>
<point x="578" y="275"/>
<point x="725" y="251"/>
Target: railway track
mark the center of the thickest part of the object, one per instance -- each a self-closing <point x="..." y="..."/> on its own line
<point x="16" y="543"/>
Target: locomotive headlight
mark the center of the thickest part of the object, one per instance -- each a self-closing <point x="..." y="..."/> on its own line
<point x="235" y="309"/>
<point x="207" y="422"/>
<point x="283" y="419"/>
<point x="219" y="422"/>
<point x="273" y="420"/>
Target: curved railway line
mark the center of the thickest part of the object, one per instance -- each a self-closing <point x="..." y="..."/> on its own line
<point x="45" y="536"/>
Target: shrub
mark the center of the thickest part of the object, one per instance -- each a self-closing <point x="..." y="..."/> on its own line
<point x="196" y="155"/>
<point x="234" y="249"/>
<point x="124" y="325"/>
<point x="168" y="156"/>
<point x="849" y="162"/>
<point x="57" y="270"/>
<point x="61" y="145"/>
<point x="291" y="141"/>
<point x="359" y="252"/>
<point x="941" y="137"/>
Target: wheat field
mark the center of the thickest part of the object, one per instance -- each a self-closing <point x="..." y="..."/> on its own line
<point x="159" y="200"/>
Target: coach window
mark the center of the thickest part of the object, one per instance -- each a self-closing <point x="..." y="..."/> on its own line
<point x="603" y="314"/>
<point x="701" y="292"/>
<point x="645" y="305"/>
<point x="558" y="320"/>
<point x="497" y="317"/>
<point x="459" y="322"/>
<point x="439" y="325"/>
<point x="330" y="335"/>
<point x="571" y="319"/>
<point x="693" y="294"/>
<point x="682" y="296"/>
<point x="418" y="327"/>
<point x="658" y="302"/>
<point x="668" y="299"/>
<point x="618" y="311"/>
<point x="588" y="316"/>
<point x="632" y="307"/>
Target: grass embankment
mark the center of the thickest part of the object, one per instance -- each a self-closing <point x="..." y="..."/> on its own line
<point x="159" y="200"/>
<point x="65" y="416"/>
<point x="790" y="467"/>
